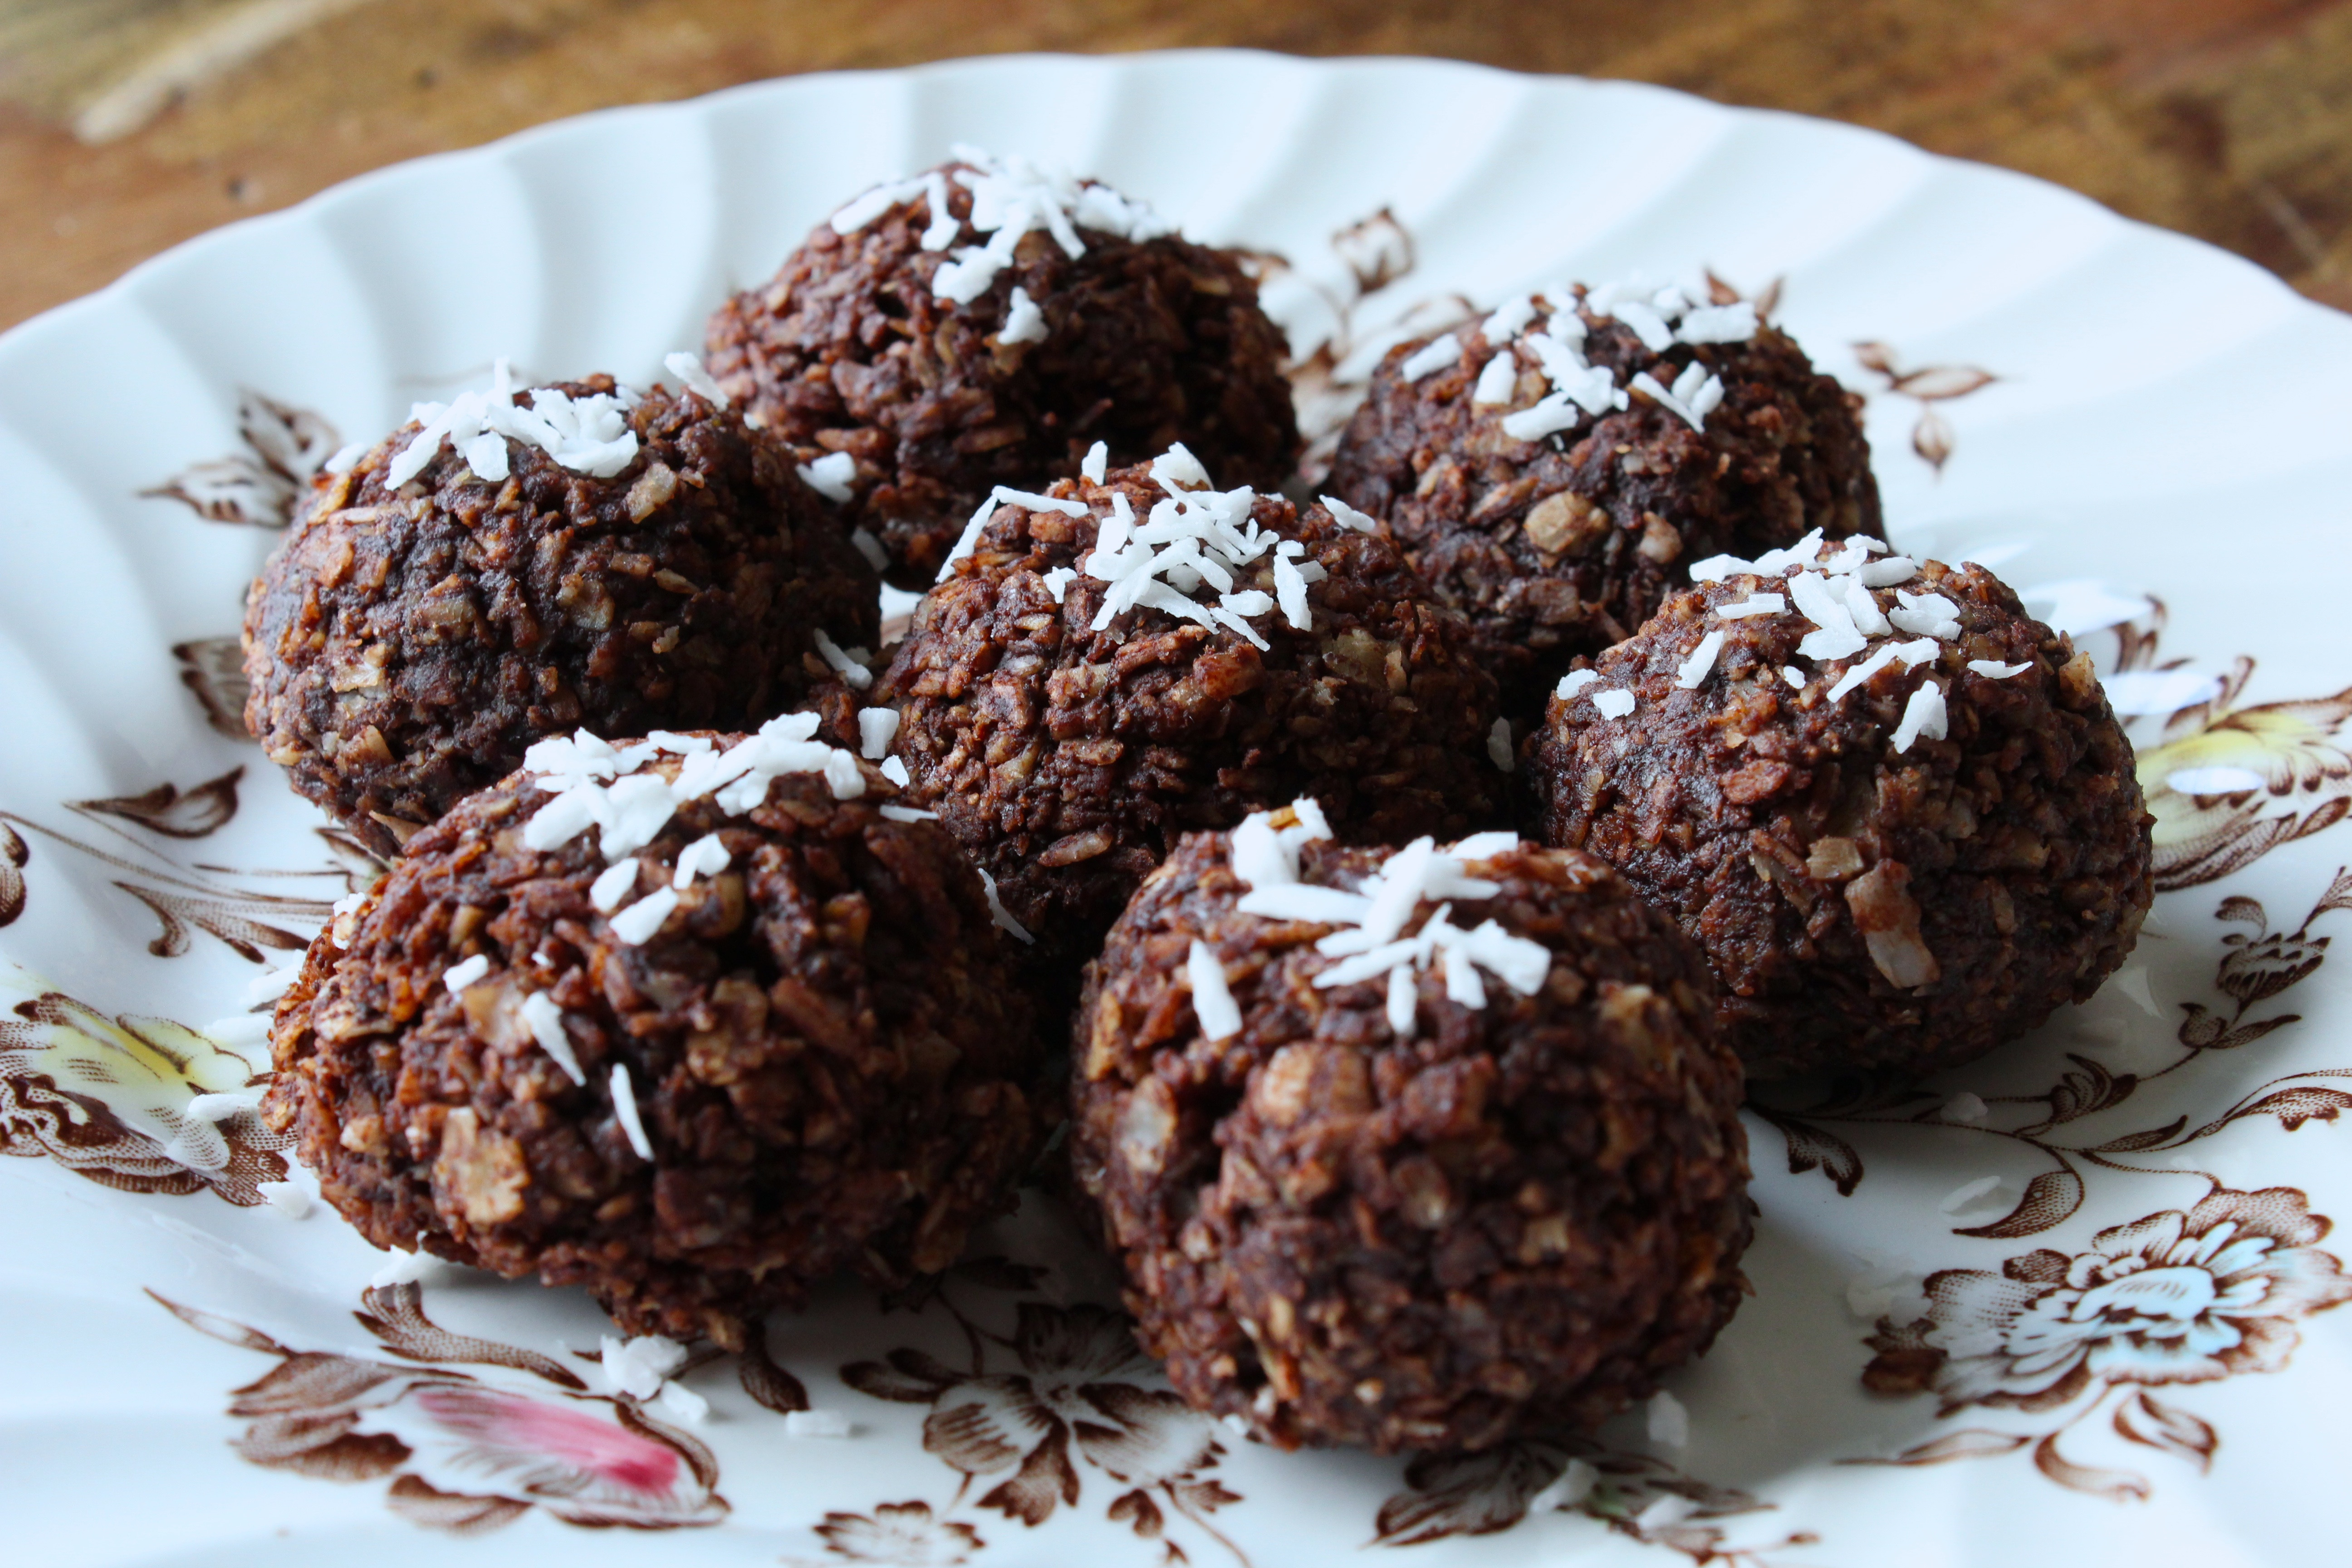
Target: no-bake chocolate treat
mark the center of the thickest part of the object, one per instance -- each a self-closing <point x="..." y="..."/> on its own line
<point x="1069" y="742"/>
<point x="692" y="1059"/>
<point x="1901" y="819"/>
<point x="1546" y="493"/>
<point x="914" y="364"/>
<point x="628" y="564"/>
<point x="1426" y="1209"/>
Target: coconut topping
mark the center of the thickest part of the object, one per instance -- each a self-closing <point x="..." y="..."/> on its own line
<point x="624" y="1109"/>
<point x="845" y="663"/>
<point x="1432" y="357"/>
<point x="829" y="476"/>
<point x="1922" y="715"/>
<point x="1574" y="681"/>
<point x="1930" y="614"/>
<point x="459" y="975"/>
<point x="545" y="1021"/>
<point x="588" y="435"/>
<point x="998" y="913"/>
<point x="1613" y="703"/>
<point x="1695" y="668"/>
<point x="687" y="368"/>
<point x="1212" y="1000"/>
<point x="1370" y="942"/>
<point x="1498" y="744"/>
<point x="1011" y="198"/>
<point x="1754" y="605"/>
<point x="1024" y="321"/>
<point x="1994" y="670"/>
<point x="596" y="784"/>
<point x="1097" y="464"/>
<point x="876" y="728"/>
<point x="1497" y="380"/>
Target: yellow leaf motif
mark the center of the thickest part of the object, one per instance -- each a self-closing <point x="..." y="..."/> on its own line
<point x="2227" y="786"/>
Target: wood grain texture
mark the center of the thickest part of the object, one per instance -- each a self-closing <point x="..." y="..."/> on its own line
<point x="2227" y="119"/>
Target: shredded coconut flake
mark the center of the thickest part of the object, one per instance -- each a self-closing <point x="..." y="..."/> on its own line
<point x="1971" y="1194"/>
<point x="687" y="368"/>
<point x="706" y="857"/>
<point x="588" y="435"/>
<point x="968" y="541"/>
<point x="1498" y="744"/>
<point x="1346" y="516"/>
<point x="1509" y="320"/>
<point x="624" y="1108"/>
<point x="1966" y="1107"/>
<point x="638" y="1367"/>
<point x="829" y="476"/>
<point x="876" y="728"/>
<point x="1058" y="580"/>
<point x="405" y="1267"/>
<point x="1732" y="323"/>
<point x="636" y="924"/>
<point x="545" y="1020"/>
<point x="895" y="813"/>
<point x="1922" y="715"/>
<point x="895" y="770"/>
<point x="1403" y="1000"/>
<point x="868" y="546"/>
<point x="1794" y="676"/>
<point x="613" y="886"/>
<point x="857" y="676"/>
<point x="1668" y="1422"/>
<point x="288" y="1199"/>
<point x="1613" y="703"/>
<point x="999" y="914"/>
<point x="1994" y="670"/>
<point x="1927" y="615"/>
<point x="1694" y="394"/>
<point x="459" y="975"/>
<point x="1435" y="355"/>
<point x="684" y="1404"/>
<point x="815" y="1423"/>
<point x="1868" y="619"/>
<point x="1213" y="1002"/>
<point x="1097" y="464"/>
<point x="1695" y="668"/>
<point x="1887" y="573"/>
<point x="1024" y="321"/>
<point x="1497" y="379"/>
<point x="1574" y="681"/>
<point x="1752" y="605"/>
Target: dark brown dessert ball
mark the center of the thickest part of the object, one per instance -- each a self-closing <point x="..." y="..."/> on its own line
<point x="1069" y="759"/>
<point x="1508" y="1218"/>
<point x="1562" y="545"/>
<point x="820" y="1044"/>
<point x="1141" y="341"/>
<point x="408" y="642"/>
<point x="1867" y="900"/>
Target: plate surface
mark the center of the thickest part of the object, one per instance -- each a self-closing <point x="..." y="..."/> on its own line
<point x="2127" y="1350"/>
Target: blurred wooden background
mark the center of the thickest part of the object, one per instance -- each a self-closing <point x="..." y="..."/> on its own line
<point x="126" y="125"/>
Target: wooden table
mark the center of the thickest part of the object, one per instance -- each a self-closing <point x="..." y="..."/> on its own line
<point x="127" y="125"/>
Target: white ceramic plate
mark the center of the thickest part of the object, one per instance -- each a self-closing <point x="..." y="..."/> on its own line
<point x="2129" y="1353"/>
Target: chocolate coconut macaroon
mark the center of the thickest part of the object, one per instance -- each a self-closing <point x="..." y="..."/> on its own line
<point x="1553" y="468"/>
<point x="1132" y="656"/>
<point x="514" y="566"/>
<point x="691" y="1022"/>
<point x="1419" y="1150"/>
<point x="984" y="324"/>
<point x="1895" y="810"/>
